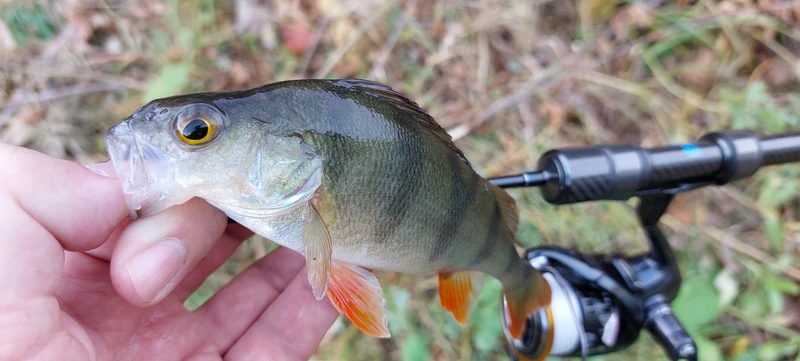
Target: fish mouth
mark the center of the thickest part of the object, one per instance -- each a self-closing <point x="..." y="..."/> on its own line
<point x="143" y="169"/>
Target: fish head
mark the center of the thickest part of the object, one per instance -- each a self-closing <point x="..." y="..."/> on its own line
<point x="174" y="149"/>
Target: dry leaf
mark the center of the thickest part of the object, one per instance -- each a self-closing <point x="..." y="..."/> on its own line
<point x="297" y="38"/>
<point x="239" y="73"/>
<point x="556" y="113"/>
<point x="779" y="73"/>
<point x="699" y="74"/>
<point x="634" y="15"/>
<point x="349" y="66"/>
<point x="6" y="39"/>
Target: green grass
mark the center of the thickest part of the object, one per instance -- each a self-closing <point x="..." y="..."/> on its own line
<point x="511" y="80"/>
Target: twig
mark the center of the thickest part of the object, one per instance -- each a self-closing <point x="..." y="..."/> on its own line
<point x="780" y="6"/>
<point x="377" y="70"/>
<point x="727" y="28"/>
<point x="776" y="329"/>
<point x="541" y="81"/>
<point x="322" y="23"/>
<point x="739" y="197"/>
<point x="337" y="56"/>
<point x="779" y="50"/>
<point x="484" y="58"/>
<point x="632" y="88"/>
<point x="724" y="239"/>
<point x="52" y="94"/>
<point x="680" y="92"/>
<point x="428" y="321"/>
<point x="81" y="74"/>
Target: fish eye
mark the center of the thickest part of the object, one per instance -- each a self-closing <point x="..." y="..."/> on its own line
<point x="198" y="126"/>
<point x="196" y="131"/>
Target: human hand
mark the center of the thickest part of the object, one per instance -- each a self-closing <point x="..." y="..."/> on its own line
<point x="79" y="281"/>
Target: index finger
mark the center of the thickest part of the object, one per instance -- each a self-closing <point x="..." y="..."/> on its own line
<point x="78" y="207"/>
<point x="49" y="205"/>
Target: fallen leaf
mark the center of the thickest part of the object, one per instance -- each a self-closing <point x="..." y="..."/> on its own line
<point x="699" y="75"/>
<point x="556" y="113"/>
<point x="727" y="287"/>
<point x="349" y="66"/>
<point x="297" y="38"/>
<point x="739" y="347"/>
<point x="6" y="39"/>
<point x="239" y="73"/>
<point x="779" y="73"/>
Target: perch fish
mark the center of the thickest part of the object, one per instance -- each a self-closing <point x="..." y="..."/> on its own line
<point x="349" y="173"/>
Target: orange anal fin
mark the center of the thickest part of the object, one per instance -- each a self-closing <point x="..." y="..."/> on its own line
<point x="357" y="294"/>
<point x="456" y="291"/>
<point x="524" y="302"/>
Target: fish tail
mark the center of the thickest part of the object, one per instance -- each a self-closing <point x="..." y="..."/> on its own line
<point x="525" y="298"/>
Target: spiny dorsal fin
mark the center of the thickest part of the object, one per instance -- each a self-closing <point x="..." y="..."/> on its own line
<point x="406" y="105"/>
<point x="508" y="208"/>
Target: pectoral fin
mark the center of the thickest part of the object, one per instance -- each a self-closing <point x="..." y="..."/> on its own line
<point x="357" y="294"/>
<point x="318" y="248"/>
<point x="456" y="291"/>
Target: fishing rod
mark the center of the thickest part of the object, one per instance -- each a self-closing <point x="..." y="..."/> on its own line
<point x="601" y="302"/>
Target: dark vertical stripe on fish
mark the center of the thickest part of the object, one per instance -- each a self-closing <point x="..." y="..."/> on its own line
<point x="462" y="195"/>
<point x="512" y="262"/>
<point x="334" y="167"/>
<point x="490" y="239"/>
<point x="401" y="190"/>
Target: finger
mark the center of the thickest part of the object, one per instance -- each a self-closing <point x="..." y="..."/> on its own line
<point x="154" y="254"/>
<point x="236" y="306"/>
<point x="41" y="217"/>
<point x="106" y="250"/>
<point x="76" y="206"/>
<point x="221" y="251"/>
<point x="239" y="231"/>
<point x="290" y="329"/>
<point x="204" y="354"/>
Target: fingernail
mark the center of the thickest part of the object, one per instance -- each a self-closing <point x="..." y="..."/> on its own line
<point x="153" y="271"/>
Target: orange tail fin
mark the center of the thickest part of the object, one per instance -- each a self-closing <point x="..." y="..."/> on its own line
<point x="357" y="294"/>
<point x="524" y="301"/>
<point x="456" y="291"/>
<point x="547" y="346"/>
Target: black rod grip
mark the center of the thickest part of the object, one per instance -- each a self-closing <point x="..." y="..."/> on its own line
<point x="682" y="163"/>
<point x="781" y="149"/>
<point x="618" y="172"/>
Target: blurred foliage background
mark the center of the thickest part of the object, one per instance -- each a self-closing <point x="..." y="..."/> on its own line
<point x="509" y="80"/>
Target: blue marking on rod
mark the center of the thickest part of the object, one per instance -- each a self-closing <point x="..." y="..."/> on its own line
<point x="691" y="150"/>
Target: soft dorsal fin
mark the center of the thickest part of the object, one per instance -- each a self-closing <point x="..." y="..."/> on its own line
<point x="406" y="105"/>
<point x="508" y="208"/>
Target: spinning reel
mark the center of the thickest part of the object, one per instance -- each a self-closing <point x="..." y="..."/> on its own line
<point x="601" y="302"/>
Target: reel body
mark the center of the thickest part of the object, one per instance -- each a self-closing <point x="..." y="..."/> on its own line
<point x="601" y="303"/>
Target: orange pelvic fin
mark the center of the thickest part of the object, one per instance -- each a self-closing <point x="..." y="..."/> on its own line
<point x="357" y="294"/>
<point x="456" y="291"/>
<point x="524" y="301"/>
